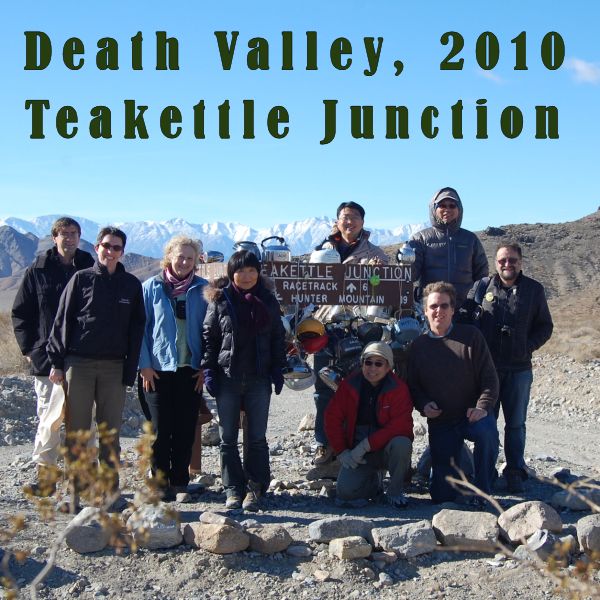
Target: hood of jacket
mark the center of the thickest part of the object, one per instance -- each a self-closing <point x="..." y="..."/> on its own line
<point x="213" y="292"/>
<point x="446" y="193"/>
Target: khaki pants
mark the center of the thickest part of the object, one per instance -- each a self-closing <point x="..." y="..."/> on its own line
<point x="95" y="383"/>
<point x="50" y="412"/>
<point x="365" y="480"/>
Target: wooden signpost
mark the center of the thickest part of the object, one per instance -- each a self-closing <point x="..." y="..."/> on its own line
<point x="334" y="284"/>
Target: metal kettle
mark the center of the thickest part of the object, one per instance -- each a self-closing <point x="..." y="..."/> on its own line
<point x="276" y="252"/>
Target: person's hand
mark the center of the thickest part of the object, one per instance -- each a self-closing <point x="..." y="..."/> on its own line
<point x="277" y="380"/>
<point x="346" y="459"/>
<point x="199" y="377"/>
<point x="210" y="382"/>
<point x="148" y="376"/>
<point x="28" y="359"/>
<point x="432" y="410"/>
<point x="359" y="451"/>
<point x="476" y="414"/>
<point x="57" y="376"/>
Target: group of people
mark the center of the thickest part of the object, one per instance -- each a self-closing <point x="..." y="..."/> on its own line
<point x="87" y="327"/>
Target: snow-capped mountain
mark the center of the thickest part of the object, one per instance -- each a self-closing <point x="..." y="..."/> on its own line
<point x="149" y="237"/>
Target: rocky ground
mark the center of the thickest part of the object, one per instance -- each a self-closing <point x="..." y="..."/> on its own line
<point x="563" y="433"/>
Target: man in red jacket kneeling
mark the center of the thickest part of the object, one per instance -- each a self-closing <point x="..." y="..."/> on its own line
<point x="369" y="426"/>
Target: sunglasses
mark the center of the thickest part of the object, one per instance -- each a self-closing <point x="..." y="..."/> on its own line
<point x="113" y="247"/>
<point x="373" y="363"/>
<point x="511" y="260"/>
<point x="449" y="205"/>
<point x="443" y="306"/>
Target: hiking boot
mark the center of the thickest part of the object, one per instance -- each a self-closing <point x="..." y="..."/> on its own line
<point x="397" y="501"/>
<point x="323" y="455"/>
<point x="251" y="502"/>
<point x="46" y="482"/>
<point x="476" y="503"/>
<point x="234" y="501"/>
<point x="514" y="483"/>
<point x="118" y="505"/>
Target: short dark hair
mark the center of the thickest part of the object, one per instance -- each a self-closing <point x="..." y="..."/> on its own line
<point x="440" y="287"/>
<point x="64" y="222"/>
<point x="353" y="205"/>
<point x="240" y="260"/>
<point x="511" y="245"/>
<point x="111" y="230"/>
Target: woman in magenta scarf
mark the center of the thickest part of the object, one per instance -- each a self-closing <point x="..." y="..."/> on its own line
<point x="170" y="360"/>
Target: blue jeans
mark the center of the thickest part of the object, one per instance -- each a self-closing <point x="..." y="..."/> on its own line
<point x="253" y="395"/>
<point x="445" y="442"/>
<point x="515" y="387"/>
<point x="323" y="394"/>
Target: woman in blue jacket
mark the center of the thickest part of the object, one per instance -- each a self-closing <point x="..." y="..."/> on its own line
<point x="170" y="359"/>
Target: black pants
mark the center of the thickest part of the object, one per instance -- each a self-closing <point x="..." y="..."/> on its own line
<point x="174" y="407"/>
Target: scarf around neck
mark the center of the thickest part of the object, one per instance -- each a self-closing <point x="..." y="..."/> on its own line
<point x="176" y="286"/>
<point x="259" y="313"/>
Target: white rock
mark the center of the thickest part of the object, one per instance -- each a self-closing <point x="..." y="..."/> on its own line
<point x="298" y="551"/>
<point x="90" y="537"/>
<point x="588" y="533"/>
<point x="407" y="541"/>
<point x="307" y="423"/>
<point x="524" y="519"/>
<point x="155" y="527"/>
<point x="350" y="547"/>
<point x="325" y="530"/>
<point x="465" y="529"/>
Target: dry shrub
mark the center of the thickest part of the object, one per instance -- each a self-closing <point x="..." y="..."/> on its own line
<point x="11" y="359"/>
<point x="576" y="325"/>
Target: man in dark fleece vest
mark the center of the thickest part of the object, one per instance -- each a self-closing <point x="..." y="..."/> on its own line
<point x="453" y="383"/>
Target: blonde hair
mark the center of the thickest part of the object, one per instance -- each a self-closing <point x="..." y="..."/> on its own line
<point x="175" y="242"/>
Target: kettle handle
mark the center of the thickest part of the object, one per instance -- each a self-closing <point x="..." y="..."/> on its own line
<point x="273" y="237"/>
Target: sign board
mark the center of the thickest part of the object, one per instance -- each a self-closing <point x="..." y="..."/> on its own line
<point x="342" y="284"/>
<point x="334" y="284"/>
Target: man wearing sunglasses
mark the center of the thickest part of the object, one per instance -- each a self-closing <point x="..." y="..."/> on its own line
<point x="369" y="426"/>
<point x="454" y="384"/>
<point x="512" y="313"/>
<point x="351" y="241"/>
<point x="95" y="342"/>
<point x="445" y="251"/>
<point x="33" y="313"/>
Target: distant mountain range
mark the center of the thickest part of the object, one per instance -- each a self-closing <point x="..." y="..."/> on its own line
<point x="148" y="237"/>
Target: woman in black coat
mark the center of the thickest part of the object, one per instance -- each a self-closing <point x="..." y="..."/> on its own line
<point x="244" y="353"/>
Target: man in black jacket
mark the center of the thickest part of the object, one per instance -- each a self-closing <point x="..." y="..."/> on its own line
<point x="33" y="313"/>
<point x="95" y="341"/>
<point x="513" y="316"/>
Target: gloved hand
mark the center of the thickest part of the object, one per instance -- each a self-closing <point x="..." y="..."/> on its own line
<point x="359" y="451"/>
<point x="346" y="459"/>
<point x="277" y="380"/>
<point x="210" y="382"/>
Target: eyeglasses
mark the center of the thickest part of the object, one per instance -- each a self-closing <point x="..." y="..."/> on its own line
<point x="448" y="205"/>
<point x="511" y="260"/>
<point x="113" y="247"/>
<point x="373" y="363"/>
<point x="349" y="217"/>
<point x="442" y="306"/>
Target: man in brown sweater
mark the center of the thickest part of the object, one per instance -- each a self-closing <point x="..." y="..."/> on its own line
<point x="453" y="383"/>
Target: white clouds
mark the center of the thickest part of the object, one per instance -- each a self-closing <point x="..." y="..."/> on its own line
<point x="583" y="71"/>
<point x="491" y="76"/>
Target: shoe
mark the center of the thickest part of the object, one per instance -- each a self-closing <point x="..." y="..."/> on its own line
<point x="476" y="502"/>
<point x="251" y="502"/>
<point x="233" y="502"/>
<point x="397" y="501"/>
<point x="323" y="455"/>
<point x="514" y="483"/>
<point x="118" y="505"/>
<point x="46" y="482"/>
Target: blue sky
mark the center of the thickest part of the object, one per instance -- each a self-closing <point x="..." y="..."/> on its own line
<point x="265" y="181"/>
